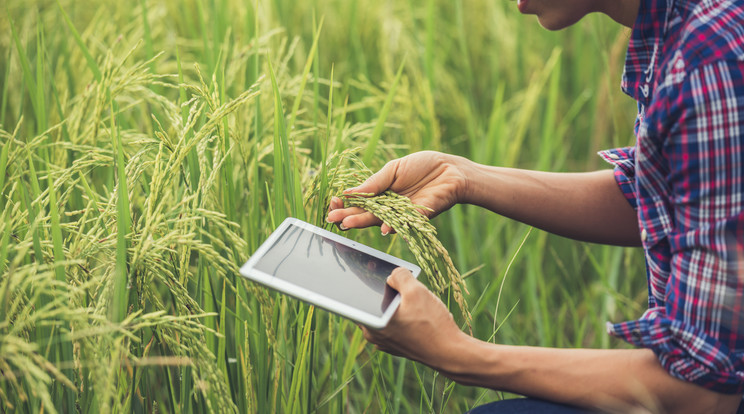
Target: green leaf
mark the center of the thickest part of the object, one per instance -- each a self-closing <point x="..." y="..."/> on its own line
<point x="28" y="77"/>
<point x="120" y="300"/>
<point x="79" y="40"/>
<point x="4" y="162"/>
<point x="305" y="73"/>
<point x="369" y="153"/>
<point x="283" y="174"/>
<point x="4" y="237"/>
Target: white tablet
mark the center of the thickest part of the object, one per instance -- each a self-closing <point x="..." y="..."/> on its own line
<point x="329" y="271"/>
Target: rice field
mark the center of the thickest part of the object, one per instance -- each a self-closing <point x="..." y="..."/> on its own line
<point x="149" y="147"/>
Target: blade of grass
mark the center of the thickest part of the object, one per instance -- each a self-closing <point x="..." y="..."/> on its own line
<point x="92" y="65"/>
<point x="228" y="191"/>
<point x="284" y="172"/>
<point x="148" y="36"/>
<point x="295" y="388"/>
<point x="489" y="292"/>
<point x="310" y="373"/>
<point x="341" y="122"/>
<point x="279" y="208"/>
<point x="424" y="395"/>
<point x="7" y="228"/>
<point x="356" y="41"/>
<point x="549" y="120"/>
<point x="316" y="96"/>
<point x="208" y="304"/>
<point x="527" y="111"/>
<point x="253" y="75"/>
<point x="398" y="394"/>
<point x="431" y="16"/>
<point x="120" y="300"/>
<point x="33" y="211"/>
<point x="28" y="77"/>
<point x="369" y="152"/>
<point x="192" y="161"/>
<point x="6" y="87"/>
<point x="64" y="347"/>
<point x="41" y="110"/>
<point x="356" y="345"/>
<point x="303" y="78"/>
<point x="221" y="340"/>
<point x="209" y="51"/>
<point x="465" y="60"/>
<point x="324" y="156"/>
<point x="4" y="163"/>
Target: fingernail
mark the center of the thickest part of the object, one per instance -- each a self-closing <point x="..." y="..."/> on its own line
<point x="351" y="190"/>
<point x="385" y="233"/>
<point x="342" y="227"/>
<point x="328" y="220"/>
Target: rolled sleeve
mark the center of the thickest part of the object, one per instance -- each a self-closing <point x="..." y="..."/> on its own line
<point x="686" y="352"/>
<point x="697" y="329"/>
<point x="623" y="159"/>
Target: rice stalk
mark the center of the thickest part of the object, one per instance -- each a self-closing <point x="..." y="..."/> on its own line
<point x="346" y="170"/>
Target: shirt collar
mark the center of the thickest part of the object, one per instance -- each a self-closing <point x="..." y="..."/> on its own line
<point x="645" y="45"/>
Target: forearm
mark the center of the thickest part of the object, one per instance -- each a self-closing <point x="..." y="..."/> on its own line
<point x="582" y="206"/>
<point x="590" y="378"/>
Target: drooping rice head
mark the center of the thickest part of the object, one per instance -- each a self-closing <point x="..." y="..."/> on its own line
<point x="345" y="170"/>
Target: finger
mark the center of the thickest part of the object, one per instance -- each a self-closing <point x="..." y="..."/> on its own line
<point x="335" y="204"/>
<point x="379" y="181"/>
<point x="358" y="221"/>
<point x="401" y="279"/>
<point x="339" y="214"/>
<point x="385" y="229"/>
<point x="365" y="332"/>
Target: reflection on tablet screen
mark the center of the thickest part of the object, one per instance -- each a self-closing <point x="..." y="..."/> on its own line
<point x="330" y="268"/>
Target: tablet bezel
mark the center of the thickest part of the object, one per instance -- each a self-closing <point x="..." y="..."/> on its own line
<point x="313" y="297"/>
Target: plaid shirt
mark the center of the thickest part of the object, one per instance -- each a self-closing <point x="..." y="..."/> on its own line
<point x="685" y="178"/>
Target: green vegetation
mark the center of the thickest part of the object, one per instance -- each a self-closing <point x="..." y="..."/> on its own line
<point x="149" y="147"/>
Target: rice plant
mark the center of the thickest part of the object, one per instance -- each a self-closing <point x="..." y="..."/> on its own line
<point x="148" y="148"/>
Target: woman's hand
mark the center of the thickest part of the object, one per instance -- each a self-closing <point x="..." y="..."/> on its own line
<point x="422" y="328"/>
<point x="430" y="179"/>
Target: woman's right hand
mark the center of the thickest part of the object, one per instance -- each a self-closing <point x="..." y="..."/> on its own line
<point x="431" y="179"/>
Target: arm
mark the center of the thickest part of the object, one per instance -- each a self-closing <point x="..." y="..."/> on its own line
<point x="424" y="330"/>
<point x="583" y="206"/>
<point x="593" y="378"/>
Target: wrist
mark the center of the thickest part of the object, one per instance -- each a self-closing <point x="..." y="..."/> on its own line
<point x="465" y="169"/>
<point x="468" y="360"/>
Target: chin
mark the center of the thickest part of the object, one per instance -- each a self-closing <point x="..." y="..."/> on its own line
<point x="554" y="23"/>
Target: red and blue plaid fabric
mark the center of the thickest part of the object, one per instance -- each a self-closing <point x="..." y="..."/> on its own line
<point x="685" y="178"/>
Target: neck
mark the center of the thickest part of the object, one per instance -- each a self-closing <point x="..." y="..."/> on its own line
<point x="624" y="12"/>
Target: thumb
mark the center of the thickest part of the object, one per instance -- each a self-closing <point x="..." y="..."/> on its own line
<point x="401" y="279"/>
<point x="379" y="181"/>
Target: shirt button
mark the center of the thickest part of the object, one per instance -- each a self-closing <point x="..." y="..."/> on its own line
<point x="636" y="334"/>
<point x="644" y="235"/>
<point x="614" y="156"/>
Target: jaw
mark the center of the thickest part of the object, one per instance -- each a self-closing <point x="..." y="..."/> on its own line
<point x="559" y="14"/>
<point x="554" y="23"/>
<point x="556" y="14"/>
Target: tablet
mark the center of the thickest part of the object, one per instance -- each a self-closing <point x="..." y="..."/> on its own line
<point x="329" y="271"/>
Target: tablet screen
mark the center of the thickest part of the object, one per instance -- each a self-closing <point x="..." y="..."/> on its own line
<point x="350" y="276"/>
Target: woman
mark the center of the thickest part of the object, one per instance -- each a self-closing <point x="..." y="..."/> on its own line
<point x="679" y="193"/>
